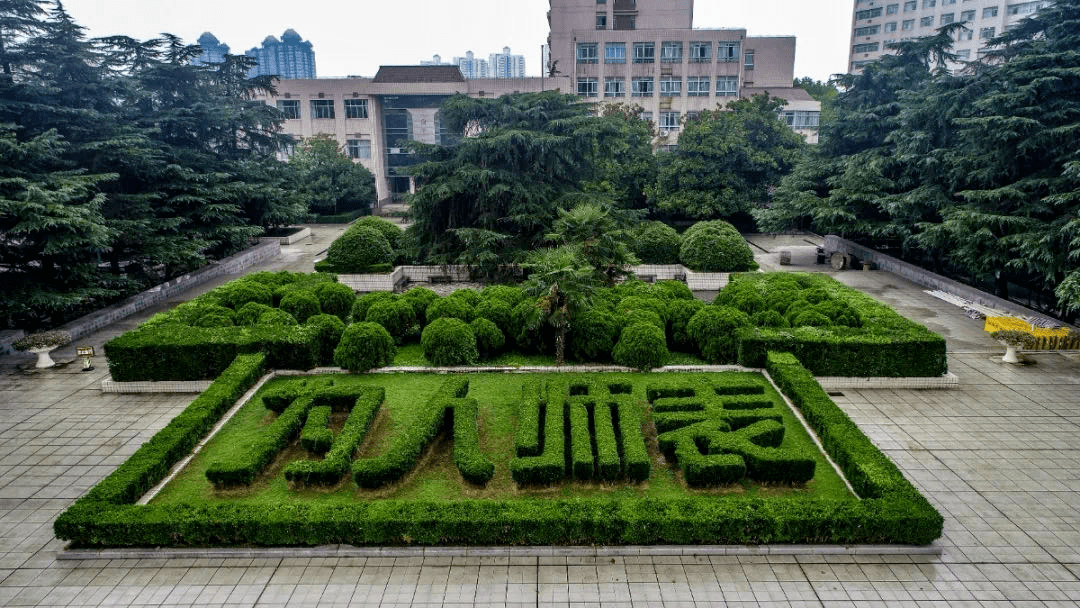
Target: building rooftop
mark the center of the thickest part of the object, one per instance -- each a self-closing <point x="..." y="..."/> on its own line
<point x="418" y="73"/>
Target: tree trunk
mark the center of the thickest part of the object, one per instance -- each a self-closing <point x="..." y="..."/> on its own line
<point x="560" y="345"/>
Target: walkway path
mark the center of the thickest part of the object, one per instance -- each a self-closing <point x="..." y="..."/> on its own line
<point x="1000" y="457"/>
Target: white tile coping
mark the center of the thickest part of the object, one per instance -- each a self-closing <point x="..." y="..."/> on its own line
<point x="342" y="551"/>
<point x="948" y="381"/>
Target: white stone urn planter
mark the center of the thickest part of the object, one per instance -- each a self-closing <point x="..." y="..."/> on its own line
<point x="43" y="343"/>
<point x="1014" y="341"/>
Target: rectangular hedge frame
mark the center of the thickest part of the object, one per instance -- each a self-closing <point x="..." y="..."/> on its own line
<point x="891" y="510"/>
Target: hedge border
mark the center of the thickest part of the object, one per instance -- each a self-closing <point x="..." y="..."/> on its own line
<point x="891" y="509"/>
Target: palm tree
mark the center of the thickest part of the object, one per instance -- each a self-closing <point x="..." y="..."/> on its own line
<point x="562" y="280"/>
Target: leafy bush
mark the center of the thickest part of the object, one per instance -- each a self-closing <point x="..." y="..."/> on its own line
<point x="768" y="318"/>
<point x="327" y="330"/>
<point x="276" y="316"/>
<point x="680" y="312"/>
<point x="335" y="299"/>
<point x="656" y="243"/>
<point x="593" y="334"/>
<point x="358" y="249"/>
<point x="393" y="233"/>
<point x="316" y="437"/>
<point x="396" y="315"/>
<point x="495" y="310"/>
<point x="301" y="304"/>
<point x="672" y="290"/>
<point x="336" y="464"/>
<point x="510" y="294"/>
<point x="452" y="308"/>
<point x="215" y="318"/>
<point x="449" y="341"/>
<point x="249" y="313"/>
<point x="811" y="318"/>
<point x="365" y="346"/>
<point x="302" y="282"/>
<point x="363" y="303"/>
<point x="839" y="313"/>
<point x="715" y="247"/>
<point x="714" y="330"/>
<point x="420" y="298"/>
<point x="529" y="333"/>
<point x="489" y="338"/>
<point x="641" y="346"/>
<point x="469" y="296"/>
<point x="633" y="303"/>
<point x="641" y="315"/>
<point x="235" y="294"/>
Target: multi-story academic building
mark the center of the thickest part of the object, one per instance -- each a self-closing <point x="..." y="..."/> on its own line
<point x="647" y="52"/>
<point x="876" y="23"/>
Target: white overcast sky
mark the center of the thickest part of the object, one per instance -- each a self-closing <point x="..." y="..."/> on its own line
<point x="355" y="37"/>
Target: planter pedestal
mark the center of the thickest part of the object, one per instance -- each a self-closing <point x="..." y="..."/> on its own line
<point x="1010" y="354"/>
<point x="43" y="358"/>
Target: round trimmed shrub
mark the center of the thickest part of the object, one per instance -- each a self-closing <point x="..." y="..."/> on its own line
<point x="811" y="318"/>
<point x="743" y="295"/>
<point x="640" y="315"/>
<point x="328" y="330"/>
<point x="632" y="303"/>
<point x="632" y="287"/>
<point x="276" y="316"/>
<point x="306" y="282"/>
<point x="449" y="341"/>
<point x="249" y="313"/>
<point x="470" y="296"/>
<point x="396" y="315"/>
<point x="510" y="294"/>
<point x="593" y="334"/>
<point x="715" y="331"/>
<point x="840" y="313"/>
<point x="489" y="338"/>
<point x="769" y="318"/>
<point x="656" y="243"/>
<point x="217" y="316"/>
<point x="393" y="233"/>
<point x="363" y="303"/>
<point x="420" y="298"/>
<point x="495" y="310"/>
<point x="716" y="249"/>
<point x="335" y="299"/>
<point x="711" y="226"/>
<point x="672" y="290"/>
<point x="679" y="314"/>
<point x="364" y="346"/>
<point x="358" y="249"/>
<point x="273" y="280"/>
<point x="797" y="308"/>
<point x="450" y="307"/>
<point x="301" y="304"/>
<point x="781" y="299"/>
<point x="641" y="346"/>
<point x="236" y="294"/>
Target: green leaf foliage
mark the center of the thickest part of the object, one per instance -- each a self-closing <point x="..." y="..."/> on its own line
<point x="449" y="341"/>
<point x="365" y="346"/>
<point x="641" y="346"/>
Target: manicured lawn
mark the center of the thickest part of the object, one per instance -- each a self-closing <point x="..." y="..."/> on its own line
<point x="435" y="477"/>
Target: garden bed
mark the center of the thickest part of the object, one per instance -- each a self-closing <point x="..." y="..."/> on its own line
<point x="507" y="459"/>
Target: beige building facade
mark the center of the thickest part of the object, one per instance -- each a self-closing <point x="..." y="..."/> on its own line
<point x="877" y="23"/>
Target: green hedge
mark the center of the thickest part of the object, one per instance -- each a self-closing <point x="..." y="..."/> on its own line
<point x="549" y="466"/>
<point x="317" y="436"/>
<point x="528" y="439"/>
<point x="335" y="465"/>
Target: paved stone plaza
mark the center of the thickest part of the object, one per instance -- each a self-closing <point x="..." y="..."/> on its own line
<point x="999" y="457"/>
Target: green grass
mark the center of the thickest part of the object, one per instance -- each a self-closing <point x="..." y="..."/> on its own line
<point x="412" y="355"/>
<point x="435" y="478"/>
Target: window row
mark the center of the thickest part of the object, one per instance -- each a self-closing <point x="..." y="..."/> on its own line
<point x="645" y="52"/>
<point x="800" y="119"/>
<point x="358" y="148"/>
<point x="696" y="86"/>
<point x="913" y="5"/>
<point x="323" y="108"/>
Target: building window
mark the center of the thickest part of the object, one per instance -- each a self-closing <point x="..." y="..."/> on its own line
<point x="700" y="52"/>
<point x="727" y="86"/>
<point x="800" y="119"/>
<point x="990" y="11"/>
<point x="947" y="2"/>
<point x="322" y="108"/>
<point x="642" y="87"/>
<point x="890" y="26"/>
<point x="869" y="13"/>
<point x="1024" y="8"/>
<point x="967" y="16"/>
<point x="727" y="52"/>
<point x="892" y="9"/>
<point x="911" y="5"/>
<point x="869" y="47"/>
<point x="929" y="3"/>
<point x="697" y="86"/>
<point x="358" y="148"/>
<point x="670" y="86"/>
<point x="869" y="30"/>
<point x="669" y="120"/>
<point x="644" y="52"/>
<point x="614" y="87"/>
<point x="587" y="52"/>
<point x="671" y="52"/>
<point x="356" y="108"/>
<point x="601" y="22"/>
<point x="964" y="34"/>
<point x="963" y="54"/>
<point x="748" y="60"/>
<point x="290" y="108"/>
<point x="947" y="18"/>
<point x="646" y="116"/>
<point x="586" y="87"/>
<point x="926" y="21"/>
<point x="615" y="52"/>
<point x="909" y="24"/>
<point x="986" y="33"/>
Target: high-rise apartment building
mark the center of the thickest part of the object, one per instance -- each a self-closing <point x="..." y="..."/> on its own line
<point x="213" y="50"/>
<point x="507" y="65"/>
<point x="473" y="67"/>
<point x="877" y="23"/>
<point x="647" y="53"/>
<point x="290" y="57"/>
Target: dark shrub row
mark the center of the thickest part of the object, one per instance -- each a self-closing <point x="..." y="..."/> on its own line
<point x="336" y="464"/>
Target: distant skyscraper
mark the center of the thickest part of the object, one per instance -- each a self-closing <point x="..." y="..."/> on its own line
<point x="290" y="57"/>
<point x="213" y="50"/>
<point x="435" y="60"/>
<point x="471" y="67"/>
<point x="505" y="65"/>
